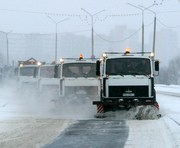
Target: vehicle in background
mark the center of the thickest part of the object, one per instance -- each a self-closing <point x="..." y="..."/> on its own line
<point x="26" y="73"/>
<point x="49" y="79"/>
<point x="78" y="79"/>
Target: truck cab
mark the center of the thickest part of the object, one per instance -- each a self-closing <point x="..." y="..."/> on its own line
<point x="78" y="78"/>
<point x="26" y="73"/>
<point x="26" y="76"/>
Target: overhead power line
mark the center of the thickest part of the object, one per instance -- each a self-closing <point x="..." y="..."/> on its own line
<point x="167" y="26"/>
<point x="37" y="12"/>
<point x="77" y="15"/>
<point x="126" y="38"/>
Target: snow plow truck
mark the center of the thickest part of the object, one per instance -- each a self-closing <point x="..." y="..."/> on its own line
<point x="127" y="81"/>
<point x="78" y="79"/>
<point x="26" y="73"/>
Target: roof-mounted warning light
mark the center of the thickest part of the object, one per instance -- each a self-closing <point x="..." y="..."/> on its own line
<point x="104" y="55"/>
<point x="127" y="51"/>
<point x="61" y="61"/>
<point x="151" y="55"/>
<point x="21" y="65"/>
<point x="80" y="57"/>
<point x="39" y="63"/>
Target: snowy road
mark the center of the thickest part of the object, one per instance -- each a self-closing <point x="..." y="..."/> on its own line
<point x="31" y="122"/>
<point x="93" y="133"/>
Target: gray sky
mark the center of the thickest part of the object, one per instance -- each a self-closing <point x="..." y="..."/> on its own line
<point x="30" y="16"/>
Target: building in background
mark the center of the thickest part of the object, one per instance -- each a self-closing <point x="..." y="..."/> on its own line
<point x="42" y="46"/>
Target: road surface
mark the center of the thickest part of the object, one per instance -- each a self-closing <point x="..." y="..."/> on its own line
<point x="31" y="122"/>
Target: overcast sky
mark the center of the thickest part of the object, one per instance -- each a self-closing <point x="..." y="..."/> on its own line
<point x="30" y="16"/>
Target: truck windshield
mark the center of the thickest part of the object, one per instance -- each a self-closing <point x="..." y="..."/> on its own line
<point x="27" y="71"/>
<point x="79" y="70"/>
<point x="47" y="71"/>
<point x="128" y="66"/>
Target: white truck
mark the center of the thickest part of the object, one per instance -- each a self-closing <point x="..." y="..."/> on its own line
<point x="78" y="79"/>
<point x="127" y="80"/>
<point x="48" y="79"/>
<point x="26" y="77"/>
<point x="26" y="74"/>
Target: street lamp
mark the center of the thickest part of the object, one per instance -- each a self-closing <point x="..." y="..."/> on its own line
<point x="142" y="24"/>
<point x="56" y="24"/>
<point x="154" y="32"/>
<point x="92" y="28"/>
<point x="142" y="9"/>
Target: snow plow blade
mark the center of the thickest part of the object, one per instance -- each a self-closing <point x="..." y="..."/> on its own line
<point x="124" y="103"/>
<point x="113" y="106"/>
<point x="135" y="110"/>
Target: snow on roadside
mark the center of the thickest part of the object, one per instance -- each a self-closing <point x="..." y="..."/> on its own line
<point x="27" y="120"/>
<point x="172" y="122"/>
<point x="161" y="133"/>
<point x="30" y="132"/>
<point x="148" y="134"/>
<point x="173" y="90"/>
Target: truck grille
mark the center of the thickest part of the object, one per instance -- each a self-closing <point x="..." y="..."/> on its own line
<point x="128" y="91"/>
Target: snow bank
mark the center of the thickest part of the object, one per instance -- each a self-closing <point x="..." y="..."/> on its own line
<point x="173" y="90"/>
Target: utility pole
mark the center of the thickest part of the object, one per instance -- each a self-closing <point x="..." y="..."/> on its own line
<point x="142" y="47"/>
<point x="7" y="45"/>
<point x="92" y="29"/>
<point x="56" y="26"/>
<point x="154" y="31"/>
<point x="142" y="9"/>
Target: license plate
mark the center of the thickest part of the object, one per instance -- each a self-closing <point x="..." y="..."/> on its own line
<point x="128" y="94"/>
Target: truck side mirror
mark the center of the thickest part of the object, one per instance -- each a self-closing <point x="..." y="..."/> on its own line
<point x="156" y="65"/>
<point x="98" y="68"/>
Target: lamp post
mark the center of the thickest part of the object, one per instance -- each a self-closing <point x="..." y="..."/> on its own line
<point x="142" y="24"/>
<point x="92" y="28"/>
<point x="154" y="31"/>
<point x="142" y="9"/>
<point x="56" y="25"/>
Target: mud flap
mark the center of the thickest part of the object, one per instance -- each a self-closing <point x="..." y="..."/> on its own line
<point x="157" y="106"/>
<point x="100" y="111"/>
